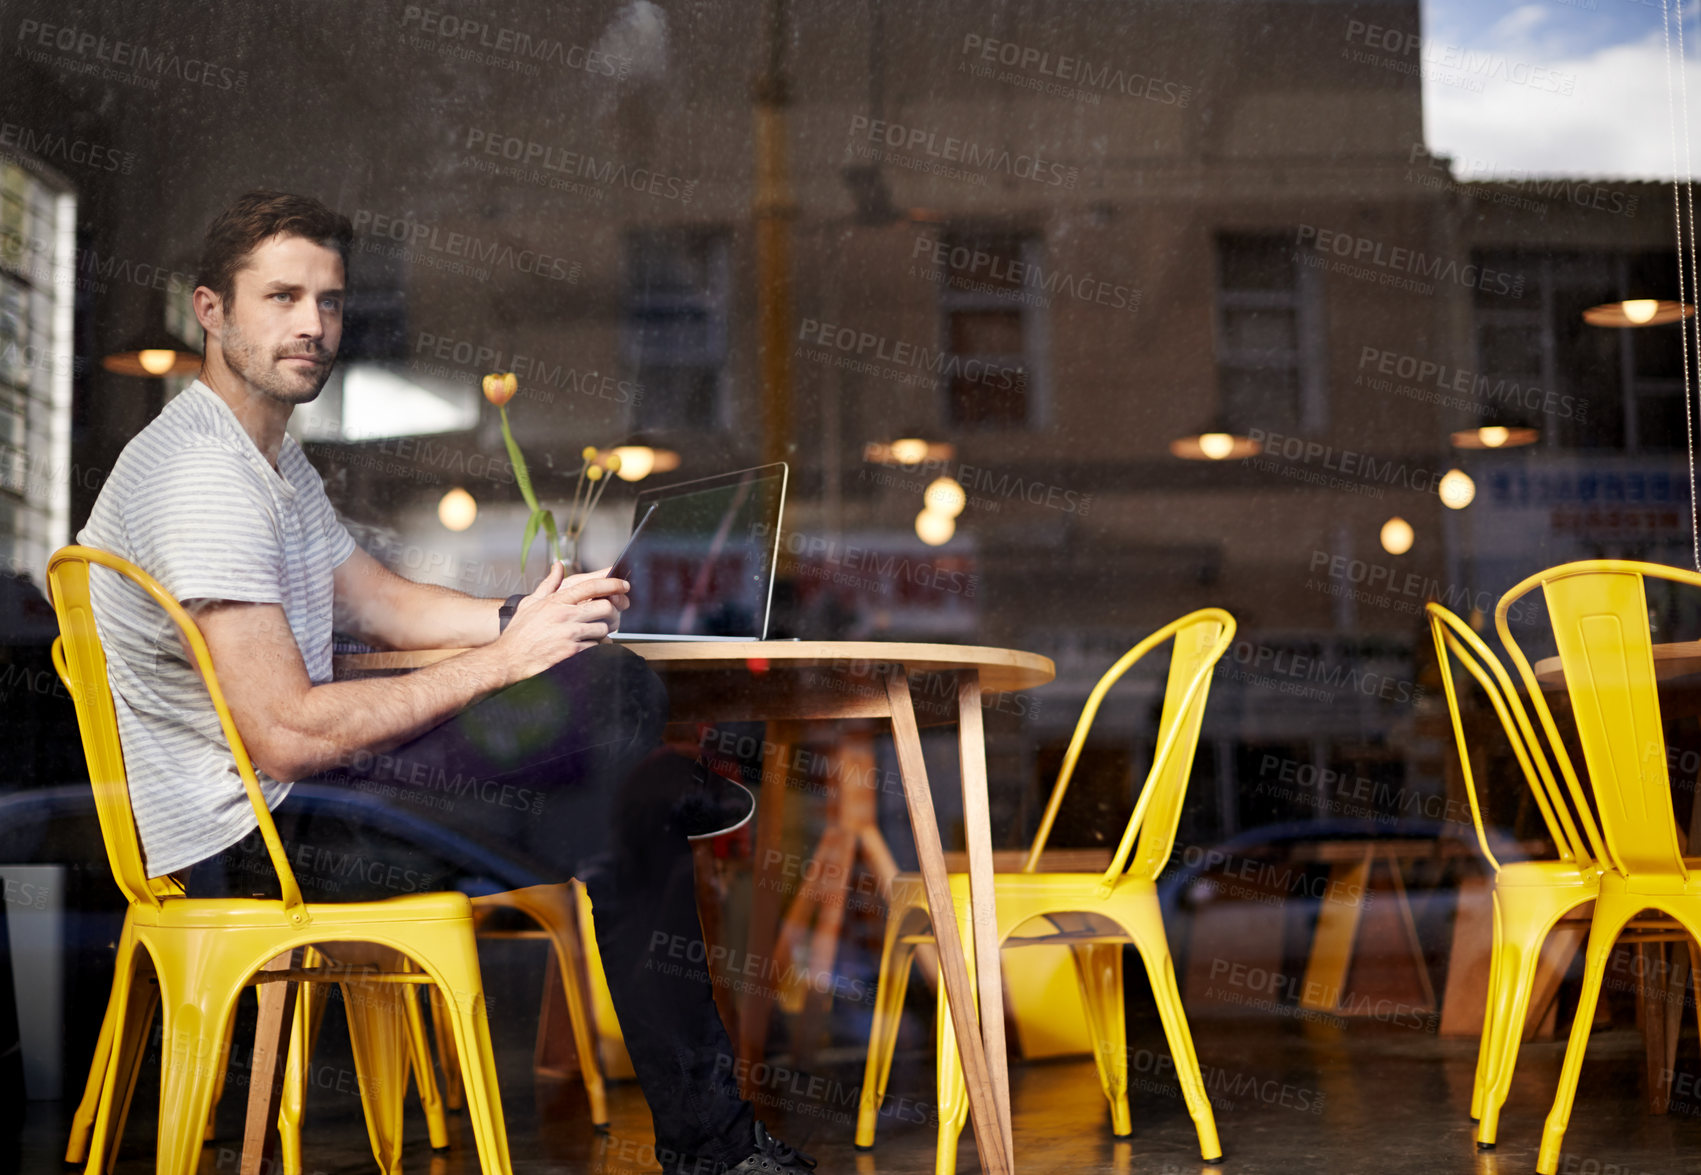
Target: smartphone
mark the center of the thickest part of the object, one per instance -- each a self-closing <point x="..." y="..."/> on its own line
<point x="622" y="568"/>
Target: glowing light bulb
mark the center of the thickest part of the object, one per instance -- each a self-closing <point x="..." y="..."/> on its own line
<point x="457" y="509"/>
<point x="636" y="462"/>
<point x="944" y="496"/>
<point x="1494" y="435"/>
<point x="909" y="451"/>
<point x="1216" y="445"/>
<point x="1397" y="536"/>
<point x="156" y="362"/>
<point x="934" y="528"/>
<point x="1457" y="490"/>
<point x="1641" y="310"/>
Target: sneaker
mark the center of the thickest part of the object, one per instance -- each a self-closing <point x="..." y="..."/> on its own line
<point x="713" y="806"/>
<point x="773" y="1157"/>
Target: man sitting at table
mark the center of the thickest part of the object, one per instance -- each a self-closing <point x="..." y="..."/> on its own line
<point x="543" y="741"/>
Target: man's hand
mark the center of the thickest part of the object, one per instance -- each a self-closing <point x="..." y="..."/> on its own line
<point x="562" y="616"/>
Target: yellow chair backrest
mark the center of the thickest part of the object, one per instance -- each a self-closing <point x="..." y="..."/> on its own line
<point x="81" y="661"/>
<point x="1453" y="636"/>
<point x="1599" y="612"/>
<point x="1200" y="639"/>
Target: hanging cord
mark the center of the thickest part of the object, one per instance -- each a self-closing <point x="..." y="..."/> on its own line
<point x="1683" y="204"/>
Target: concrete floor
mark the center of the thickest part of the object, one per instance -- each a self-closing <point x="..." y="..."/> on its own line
<point x="1290" y="1097"/>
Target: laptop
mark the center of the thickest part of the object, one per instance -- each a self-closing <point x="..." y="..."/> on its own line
<point x="702" y="568"/>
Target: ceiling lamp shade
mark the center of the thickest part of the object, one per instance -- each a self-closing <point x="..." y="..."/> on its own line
<point x="1495" y="436"/>
<point x="1637" y="312"/>
<point x="153" y="356"/>
<point x="910" y="450"/>
<point x="639" y="460"/>
<point x="1215" y="445"/>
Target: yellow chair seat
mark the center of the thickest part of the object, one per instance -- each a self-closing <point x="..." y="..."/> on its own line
<point x="1549" y="875"/>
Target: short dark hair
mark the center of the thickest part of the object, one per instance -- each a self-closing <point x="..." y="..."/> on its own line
<point x="256" y="218"/>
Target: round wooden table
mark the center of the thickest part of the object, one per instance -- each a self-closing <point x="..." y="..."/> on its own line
<point x="786" y="683"/>
<point x="1672" y="659"/>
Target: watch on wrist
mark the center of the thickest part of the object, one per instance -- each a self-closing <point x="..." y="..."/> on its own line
<point x="506" y="612"/>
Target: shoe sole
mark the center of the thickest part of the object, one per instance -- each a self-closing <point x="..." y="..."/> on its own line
<point x="748" y="816"/>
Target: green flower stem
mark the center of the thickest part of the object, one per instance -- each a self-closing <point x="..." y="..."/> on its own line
<point x="554" y="539"/>
<point x="523" y="478"/>
<point x="526" y="540"/>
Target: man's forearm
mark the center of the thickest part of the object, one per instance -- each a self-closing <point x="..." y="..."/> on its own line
<point x="447" y="619"/>
<point x="377" y="605"/>
<point x="331" y="722"/>
<point x="432" y="617"/>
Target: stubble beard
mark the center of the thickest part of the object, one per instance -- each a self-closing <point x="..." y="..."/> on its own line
<point x="263" y="373"/>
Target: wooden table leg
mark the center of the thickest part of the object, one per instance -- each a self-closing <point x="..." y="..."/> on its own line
<point x="756" y="1003"/>
<point x="1466" y="994"/>
<point x="827" y="895"/>
<point x="265" y="1073"/>
<point x="1662" y="979"/>
<point x="984" y="1115"/>
<point x="1337" y="932"/>
<point x="977" y="831"/>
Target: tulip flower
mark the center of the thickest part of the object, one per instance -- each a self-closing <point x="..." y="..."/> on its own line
<point x="499" y="388"/>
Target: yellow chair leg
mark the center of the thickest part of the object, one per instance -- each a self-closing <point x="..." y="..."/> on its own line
<point x="951" y="1088"/>
<point x="132" y="1050"/>
<point x="556" y="908"/>
<point x="134" y="997"/>
<point x="1485" y="1045"/>
<point x="82" y="1121"/>
<point x="465" y="999"/>
<point x="1144" y="923"/>
<point x="1098" y="966"/>
<point x="377" y="1029"/>
<point x="894" y="980"/>
<point x="564" y="933"/>
<point x="1523" y="928"/>
<point x="292" y="1102"/>
<point x="425" y="1080"/>
<point x="1610" y="917"/>
<point x="197" y="1013"/>
<point x="218" y="1085"/>
<point x="442" y="1026"/>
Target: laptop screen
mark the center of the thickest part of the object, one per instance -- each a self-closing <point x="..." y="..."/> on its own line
<point x="704" y="565"/>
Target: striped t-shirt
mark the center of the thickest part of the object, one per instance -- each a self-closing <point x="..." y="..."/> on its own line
<point x="192" y="501"/>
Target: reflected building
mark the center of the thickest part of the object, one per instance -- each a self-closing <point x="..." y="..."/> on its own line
<point x="1047" y="240"/>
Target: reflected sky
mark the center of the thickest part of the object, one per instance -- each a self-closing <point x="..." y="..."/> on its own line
<point x="1578" y="88"/>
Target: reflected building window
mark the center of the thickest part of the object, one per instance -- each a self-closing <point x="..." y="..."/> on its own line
<point x="993" y="303"/>
<point x="675" y="327"/>
<point x="37" y="277"/>
<point x="1270" y="335"/>
<point x="1586" y="387"/>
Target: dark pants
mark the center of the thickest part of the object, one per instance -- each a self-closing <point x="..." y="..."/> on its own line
<point x="562" y="776"/>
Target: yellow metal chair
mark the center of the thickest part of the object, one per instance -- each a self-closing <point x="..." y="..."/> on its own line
<point x="202" y="952"/>
<point x="1599" y="613"/>
<point x="1529" y="896"/>
<point x="1093" y="914"/>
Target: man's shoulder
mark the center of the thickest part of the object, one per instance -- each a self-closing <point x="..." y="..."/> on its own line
<point x="189" y="435"/>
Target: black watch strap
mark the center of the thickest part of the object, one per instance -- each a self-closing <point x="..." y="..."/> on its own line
<point x="506" y="612"/>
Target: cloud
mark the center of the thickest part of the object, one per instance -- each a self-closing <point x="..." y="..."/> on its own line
<point x="1520" y="22"/>
<point x="1603" y="114"/>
